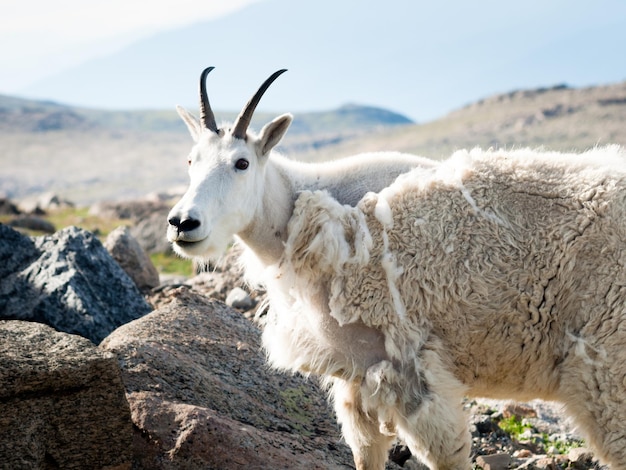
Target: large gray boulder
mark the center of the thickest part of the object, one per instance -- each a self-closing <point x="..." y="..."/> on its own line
<point x="68" y="281"/>
<point x="202" y="396"/>
<point x="62" y="402"/>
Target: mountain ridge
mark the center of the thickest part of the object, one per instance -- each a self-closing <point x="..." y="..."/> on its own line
<point x="112" y="161"/>
<point x="24" y="114"/>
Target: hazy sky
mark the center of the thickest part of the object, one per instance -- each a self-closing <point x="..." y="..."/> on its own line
<point x="40" y="37"/>
<point x="417" y="57"/>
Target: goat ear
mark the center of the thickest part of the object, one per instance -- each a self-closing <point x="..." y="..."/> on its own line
<point x="195" y="129"/>
<point x="272" y="133"/>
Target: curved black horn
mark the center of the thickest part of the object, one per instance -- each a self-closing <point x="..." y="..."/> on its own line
<point x="206" y="114"/>
<point x="244" y="118"/>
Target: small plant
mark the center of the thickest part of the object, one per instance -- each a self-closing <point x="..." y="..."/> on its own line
<point x="514" y="427"/>
<point x="562" y="446"/>
<point x="518" y="429"/>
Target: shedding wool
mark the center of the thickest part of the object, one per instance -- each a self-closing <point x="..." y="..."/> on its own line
<point x="494" y="274"/>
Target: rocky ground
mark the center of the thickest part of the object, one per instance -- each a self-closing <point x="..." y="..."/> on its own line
<point x="505" y="434"/>
<point x="198" y="393"/>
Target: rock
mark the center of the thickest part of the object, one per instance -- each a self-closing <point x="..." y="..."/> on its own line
<point x="546" y="463"/>
<point x="522" y="454"/>
<point x="239" y="299"/>
<point x="215" y="284"/>
<point x="31" y="222"/>
<point x="68" y="281"/>
<point x="133" y="210"/>
<point x="519" y="411"/>
<point x="43" y="203"/>
<point x="494" y="461"/>
<point x="413" y="464"/>
<point x="51" y="201"/>
<point x="204" y="439"/>
<point x="62" y="402"/>
<point x="149" y="217"/>
<point x="400" y="454"/>
<point x="580" y="457"/>
<point x="7" y="207"/>
<point x="132" y="258"/>
<point x="150" y="232"/>
<point x="224" y="277"/>
<point x="202" y="396"/>
<point x="16" y="252"/>
<point x="483" y="424"/>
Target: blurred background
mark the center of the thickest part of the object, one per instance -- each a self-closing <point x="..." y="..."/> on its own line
<point x="88" y="89"/>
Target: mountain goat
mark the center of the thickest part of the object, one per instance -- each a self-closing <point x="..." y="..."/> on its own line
<point x="492" y="274"/>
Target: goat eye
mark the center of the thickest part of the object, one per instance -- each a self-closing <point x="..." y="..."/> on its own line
<point x="242" y="164"/>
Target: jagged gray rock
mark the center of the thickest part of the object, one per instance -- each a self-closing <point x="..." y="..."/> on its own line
<point x="62" y="402"/>
<point x="68" y="281"/>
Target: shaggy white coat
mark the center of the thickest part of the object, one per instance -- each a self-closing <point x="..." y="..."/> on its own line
<point x="494" y="274"/>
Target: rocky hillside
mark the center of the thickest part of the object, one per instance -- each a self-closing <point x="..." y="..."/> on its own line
<point x="558" y="118"/>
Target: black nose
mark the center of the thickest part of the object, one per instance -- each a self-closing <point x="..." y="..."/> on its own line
<point x="186" y="225"/>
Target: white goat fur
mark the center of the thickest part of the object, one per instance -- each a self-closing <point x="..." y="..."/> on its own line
<point x="496" y="274"/>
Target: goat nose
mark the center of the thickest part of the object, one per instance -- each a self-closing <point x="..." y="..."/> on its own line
<point x="186" y="225"/>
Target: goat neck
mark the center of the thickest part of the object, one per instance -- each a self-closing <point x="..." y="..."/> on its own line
<point x="267" y="232"/>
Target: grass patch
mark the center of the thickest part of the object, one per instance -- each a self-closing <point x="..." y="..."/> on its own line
<point x="171" y="264"/>
<point x="73" y="216"/>
<point x="80" y="217"/>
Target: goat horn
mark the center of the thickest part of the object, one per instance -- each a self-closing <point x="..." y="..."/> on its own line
<point x="243" y="120"/>
<point x="206" y="114"/>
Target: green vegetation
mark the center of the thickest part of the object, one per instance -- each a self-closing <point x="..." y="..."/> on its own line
<point x="169" y="263"/>
<point x="72" y="216"/>
<point x="562" y="447"/>
<point x="514" y="427"/>
<point x="517" y="430"/>
<point x="80" y="217"/>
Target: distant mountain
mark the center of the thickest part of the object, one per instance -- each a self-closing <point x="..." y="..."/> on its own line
<point x="26" y="115"/>
<point x="558" y="118"/>
<point x="419" y="58"/>
<point x="17" y="114"/>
